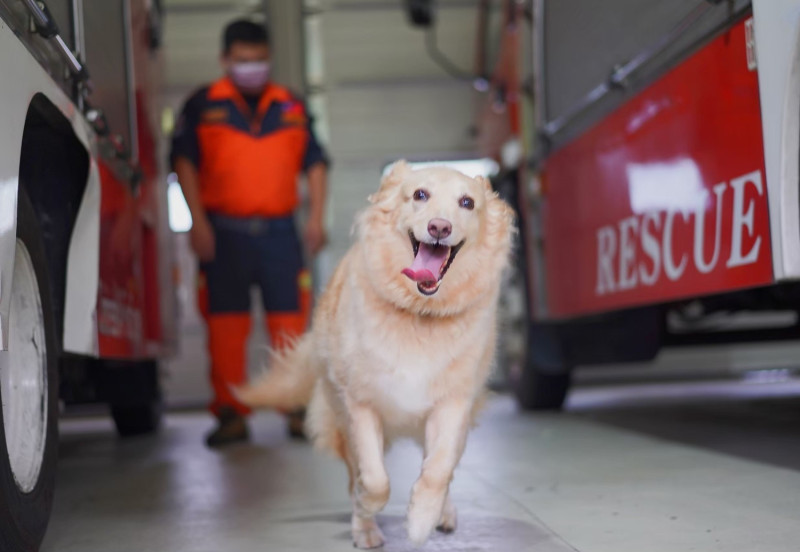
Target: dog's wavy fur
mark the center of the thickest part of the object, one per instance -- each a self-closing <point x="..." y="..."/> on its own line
<point x="383" y="360"/>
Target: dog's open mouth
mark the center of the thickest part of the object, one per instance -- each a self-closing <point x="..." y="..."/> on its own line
<point x="431" y="261"/>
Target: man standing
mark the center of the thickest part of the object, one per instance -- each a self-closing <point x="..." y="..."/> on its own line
<point x="238" y="150"/>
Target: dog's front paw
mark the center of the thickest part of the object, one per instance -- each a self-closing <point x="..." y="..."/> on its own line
<point x="423" y="516"/>
<point x="367" y="535"/>
<point x="449" y="519"/>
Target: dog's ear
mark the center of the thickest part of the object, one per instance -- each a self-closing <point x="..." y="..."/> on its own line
<point x="486" y="183"/>
<point x="502" y="219"/>
<point x="390" y="183"/>
<point x="399" y="169"/>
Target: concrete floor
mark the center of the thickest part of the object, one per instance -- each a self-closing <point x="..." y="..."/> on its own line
<point x="676" y="467"/>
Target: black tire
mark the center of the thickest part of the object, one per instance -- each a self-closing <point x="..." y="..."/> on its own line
<point x="132" y="390"/>
<point x="536" y="390"/>
<point x="544" y="379"/>
<point x="537" y="371"/>
<point x="24" y="515"/>
<point x="133" y="420"/>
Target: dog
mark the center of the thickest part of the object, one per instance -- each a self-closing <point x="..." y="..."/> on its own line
<point x="402" y="341"/>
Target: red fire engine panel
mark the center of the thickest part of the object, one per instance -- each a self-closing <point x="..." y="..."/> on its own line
<point x="665" y="198"/>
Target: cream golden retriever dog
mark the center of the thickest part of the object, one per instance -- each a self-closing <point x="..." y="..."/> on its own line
<point x="402" y="340"/>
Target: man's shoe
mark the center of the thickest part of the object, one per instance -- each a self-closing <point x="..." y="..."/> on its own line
<point x="296" y="424"/>
<point x="232" y="429"/>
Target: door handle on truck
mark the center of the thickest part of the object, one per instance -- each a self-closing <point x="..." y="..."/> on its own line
<point x="47" y="28"/>
<point x="45" y="24"/>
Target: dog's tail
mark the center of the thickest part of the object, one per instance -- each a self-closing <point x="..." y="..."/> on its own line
<point x="289" y="382"/>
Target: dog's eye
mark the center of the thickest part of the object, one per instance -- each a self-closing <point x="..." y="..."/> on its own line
<point x="421" y="195"/>
<point x="467" y="203"/>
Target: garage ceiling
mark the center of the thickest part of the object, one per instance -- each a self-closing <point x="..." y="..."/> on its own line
<point x="363" y="42"/>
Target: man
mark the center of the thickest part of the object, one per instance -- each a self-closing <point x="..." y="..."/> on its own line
<point x="238" y="149"/>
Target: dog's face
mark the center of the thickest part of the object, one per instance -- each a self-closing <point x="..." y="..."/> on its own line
<point x="436" y="240"/>
<point x="441" y="210"/>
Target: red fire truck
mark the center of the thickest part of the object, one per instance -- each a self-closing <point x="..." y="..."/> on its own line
<point x="86" y="307"/>
<point x="661" y="184"/>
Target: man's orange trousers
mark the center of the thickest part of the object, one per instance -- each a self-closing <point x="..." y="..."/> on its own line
<point x="263" y="252"/>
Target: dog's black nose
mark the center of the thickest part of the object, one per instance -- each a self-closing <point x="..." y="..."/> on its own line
<point x="439" y="228"/>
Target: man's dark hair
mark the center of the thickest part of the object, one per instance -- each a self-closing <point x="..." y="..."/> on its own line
<point x="244" y="30"/>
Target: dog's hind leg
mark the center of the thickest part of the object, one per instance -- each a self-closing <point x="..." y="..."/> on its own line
<point x="449" y="520"/>
<point x="366" y="533"/>
<point x="371" y="489"/>
<point x="343" y="452"/>
<point x="445" y="437"/>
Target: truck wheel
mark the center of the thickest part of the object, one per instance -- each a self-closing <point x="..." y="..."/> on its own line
<point x="539" y="391"/>
<point x="133" y="420"/>
<point x="544" y="378"/>
<point x="29" y="389"/>
<point x="132" y="390"/>
<point x="530" y="354"/>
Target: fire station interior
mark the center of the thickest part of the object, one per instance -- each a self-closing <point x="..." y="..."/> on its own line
<point x="671" y="445"/>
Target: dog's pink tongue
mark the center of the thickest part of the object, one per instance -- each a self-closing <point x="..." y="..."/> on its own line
<point x="427" y="264"/>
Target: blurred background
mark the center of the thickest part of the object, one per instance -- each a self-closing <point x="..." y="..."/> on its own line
<point x="645" y="394"/>
<point x="382" y="88"/>
<point x="379" y="91"/>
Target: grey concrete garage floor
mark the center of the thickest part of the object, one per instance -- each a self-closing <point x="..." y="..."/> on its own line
<point x="607" y="476"/>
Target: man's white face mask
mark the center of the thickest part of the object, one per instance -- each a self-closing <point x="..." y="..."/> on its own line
<point x="250" y="75"/>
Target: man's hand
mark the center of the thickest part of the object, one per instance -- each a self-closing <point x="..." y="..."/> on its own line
<point x="201" y="236"/>
<point x="202" y="239"/>
<point x="315" y="236"/>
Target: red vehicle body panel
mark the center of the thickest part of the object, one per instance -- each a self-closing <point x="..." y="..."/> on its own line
<point x="120" y="301"/>
<point x="665" y="198"/>
<point x="129" y="313"/>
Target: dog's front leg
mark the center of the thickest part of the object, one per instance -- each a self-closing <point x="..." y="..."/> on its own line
<point x="372" y="484"/>
<point x="445" y="438"/>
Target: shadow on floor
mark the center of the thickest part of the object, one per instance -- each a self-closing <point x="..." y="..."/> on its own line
<point x="474" y="534"/>
<point x="758" y="423"/>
